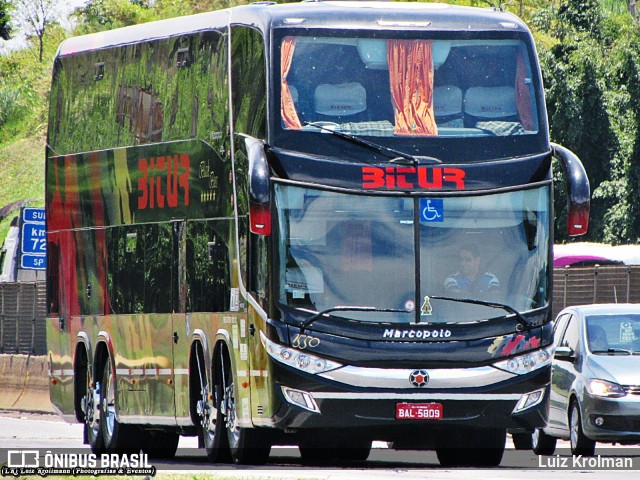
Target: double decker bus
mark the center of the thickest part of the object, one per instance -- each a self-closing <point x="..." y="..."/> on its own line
<point x="318" y="224"/>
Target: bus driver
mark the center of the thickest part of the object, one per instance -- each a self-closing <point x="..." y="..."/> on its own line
<point x="468" y="280"/>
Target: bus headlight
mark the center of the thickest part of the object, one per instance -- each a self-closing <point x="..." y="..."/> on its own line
<point x="301" y="398"/>
<point x="302" y="361"/>
<point x="529" y="400"/>
<point x="528" y="362"/>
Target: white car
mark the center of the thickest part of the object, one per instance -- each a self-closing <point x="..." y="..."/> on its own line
<point x="595" y="379"/>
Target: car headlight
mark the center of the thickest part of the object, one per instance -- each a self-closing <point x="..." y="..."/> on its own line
<point x="297" y="359"/>
<point x="603" y="388"/>
<point x="528" y="362"/>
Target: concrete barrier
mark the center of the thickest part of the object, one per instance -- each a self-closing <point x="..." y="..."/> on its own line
<point x="24" y="383"/>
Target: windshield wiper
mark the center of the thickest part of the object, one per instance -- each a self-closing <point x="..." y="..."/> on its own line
<point x="343" y="308"/>
<point x="401" y="158"/>
<point x="522" y="322"/>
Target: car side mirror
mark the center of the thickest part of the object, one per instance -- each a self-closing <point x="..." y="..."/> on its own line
<point x="564" y="353"/>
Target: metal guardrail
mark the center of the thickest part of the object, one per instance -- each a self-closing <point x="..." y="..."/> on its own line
<point x="23" y="304"/>
<point x="22" y="318"/>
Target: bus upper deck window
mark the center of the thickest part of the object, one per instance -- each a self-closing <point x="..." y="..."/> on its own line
<point x="408" y="87"/>
<point x="339" y="100"/>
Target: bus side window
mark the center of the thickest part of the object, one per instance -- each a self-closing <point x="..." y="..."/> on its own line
<point x="248" y="76"/>
<point x="125" y="278"/>
<point x="258" y="275"/>
<point x="208" y="277"/>
<point x="140" y="268"/>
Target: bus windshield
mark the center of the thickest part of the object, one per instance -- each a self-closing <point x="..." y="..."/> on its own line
<point x="338" y="249"/>
<point x="398" y="87"/>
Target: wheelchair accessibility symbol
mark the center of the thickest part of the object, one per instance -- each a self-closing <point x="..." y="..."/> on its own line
<point x="431" y="210"/>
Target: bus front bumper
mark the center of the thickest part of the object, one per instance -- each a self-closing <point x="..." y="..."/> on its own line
<point x="518" y="407"/>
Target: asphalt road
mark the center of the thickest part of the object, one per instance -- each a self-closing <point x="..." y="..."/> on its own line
<point x="47" y="432"/>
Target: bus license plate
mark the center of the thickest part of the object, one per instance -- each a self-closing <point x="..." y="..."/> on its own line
<point x="419" y="411"/>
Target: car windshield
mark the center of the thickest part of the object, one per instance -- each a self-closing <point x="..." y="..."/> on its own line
<point x="390" y="87"/>
<point x="423" y="256"/>
<point x="614" y="334"/>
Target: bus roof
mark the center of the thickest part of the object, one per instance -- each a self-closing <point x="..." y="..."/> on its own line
<point x="324" y="14"/>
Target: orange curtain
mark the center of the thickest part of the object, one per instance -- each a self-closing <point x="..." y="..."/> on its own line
<point x="288" y="109"/>
<point x="523" y="94"/>
<point x="411" y="81"/>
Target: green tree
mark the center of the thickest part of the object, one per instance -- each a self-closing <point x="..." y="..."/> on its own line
<point x="622" y="187"/>
<point x="592" y="87"/>
<point x="36" y="17"/>
<point x="99" y="15"/>
<point x="581" y="16"/>
<point x="5" y="29"/>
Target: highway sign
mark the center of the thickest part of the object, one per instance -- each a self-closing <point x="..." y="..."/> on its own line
<point x="34" y="239"/>
<point x="33" y="262"/>
<point x="33" y="215"/>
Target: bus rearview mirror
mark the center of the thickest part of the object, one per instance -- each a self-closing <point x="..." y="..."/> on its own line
<point x="579" y="191"/>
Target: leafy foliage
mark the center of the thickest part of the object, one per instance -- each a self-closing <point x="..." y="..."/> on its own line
<point x="5" y="28"/>
<point x="592" y="84"/>
<point x="15" y="101"/>
<point x="590" y="57"/>
<point x="98" y="15"/>
<point x="35" y="17"/>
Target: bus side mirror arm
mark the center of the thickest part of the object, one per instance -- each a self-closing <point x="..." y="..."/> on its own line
<point x="579" y="191"/>
<point x="259" y="187"/>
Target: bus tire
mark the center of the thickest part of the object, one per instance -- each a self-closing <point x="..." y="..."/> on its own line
<point x="90" y="403"/>
<point x="542" y="444"/>
<point x="212" y="432"/>
<point x="117" y="438"/>
<point x="248" y="446"/>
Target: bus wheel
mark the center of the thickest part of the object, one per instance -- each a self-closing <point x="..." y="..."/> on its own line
<point x="114" y="435"/>
<point x="477" y="448"/>
<point x="91" y="408"/>
<point x="248" y="446"/>
<point x="212" y="426"/>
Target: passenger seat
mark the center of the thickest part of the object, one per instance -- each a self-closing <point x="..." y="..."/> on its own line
<point x="340" y="102"/>
<point x="447" y="106"/>
<point x="486" y="104"/>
